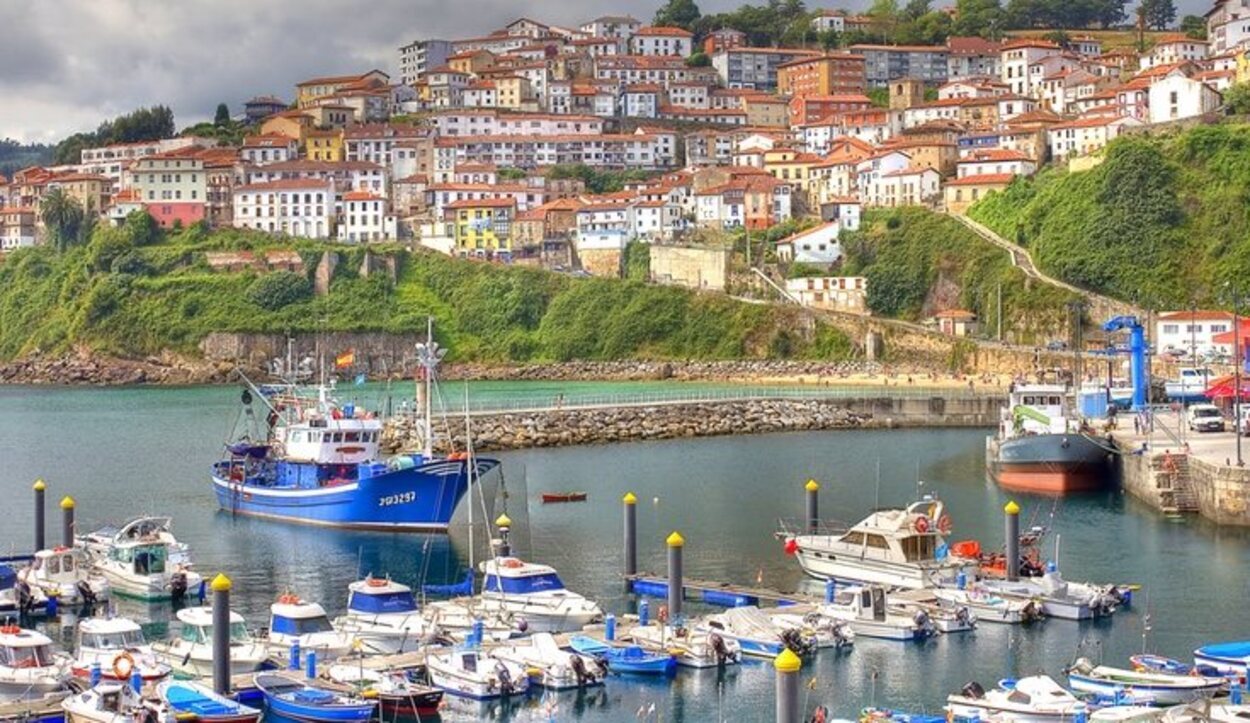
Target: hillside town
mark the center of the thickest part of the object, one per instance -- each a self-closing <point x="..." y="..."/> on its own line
<point x="482" y="147"/>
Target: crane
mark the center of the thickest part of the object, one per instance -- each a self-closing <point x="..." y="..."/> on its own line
<point x="1137" y="355"/>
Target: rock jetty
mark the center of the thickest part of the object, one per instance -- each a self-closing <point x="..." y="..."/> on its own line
<point x="632" y="423"/>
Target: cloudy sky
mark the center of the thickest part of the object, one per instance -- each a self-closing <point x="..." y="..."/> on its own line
<point x="65" y="65"/>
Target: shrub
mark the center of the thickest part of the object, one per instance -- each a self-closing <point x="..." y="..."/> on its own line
<point x="279" y="289"/>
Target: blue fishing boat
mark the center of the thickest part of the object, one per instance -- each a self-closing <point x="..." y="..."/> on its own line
<point x="292" y="699"/>
<point x="187" y="698"/>
<point x="626" y="658"/>
<point x="318" y="462"/>
<point x="1226" y="658"/>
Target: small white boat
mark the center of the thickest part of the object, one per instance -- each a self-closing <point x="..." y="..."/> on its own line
<point x="1035" y="699"/>
<point x="1190" y="386"/>
<point x="117" y="645"/>
<point x="143" y="560"/>
<point x="551" y="667"/>
<point x="1058" y="597"/>
<point x="292" y="620"/>
<point x="29" y="667"/>
<point x="756" y="634"/>
<point x="66" y="573"/>
<point x="470" y="674"/>
<point x="112" y="702"/>
<point x="191" y="652"/>
<point x="535" y="593"/>
<point x="829" y="632"/>
<point x="457" y="618"/>
<point x="1163" y="688"/>
<point x="990" y="607"/>
<point x="895" y="548"/>
<point x="383" y="616"/>
<point x="1207" y="712"/>
<point x="1126" y="714"/>
<point x="692" y="648"/>
<point x="869" y="614"/>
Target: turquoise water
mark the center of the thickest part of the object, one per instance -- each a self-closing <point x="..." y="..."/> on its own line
<point x="120" y="452"/>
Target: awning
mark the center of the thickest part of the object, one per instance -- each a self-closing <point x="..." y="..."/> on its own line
<point x="1225" y="387"/>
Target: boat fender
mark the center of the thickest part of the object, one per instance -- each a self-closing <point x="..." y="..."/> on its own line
<point x="120" y="671"/>
<point x="972" y="690"/>
<point x="662" y="615"/>
<point x="505" y="678"/>
<point x="85" y="592"/>
<point x="922" y="524"/>
<point x="944" y="524"/>
<point x="791" y="546"/>
<point x="579" y="668"/>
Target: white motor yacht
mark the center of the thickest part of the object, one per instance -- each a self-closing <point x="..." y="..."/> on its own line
<point x="896" y="548"/>
<point x="66" y="573"/>
<point x="117" y="645"/>
<point x="990" y="607"/>
<point x="112" y="701"/>
<point x="1058" y="597"/>
<point x="551" y="667"/>
<point x="383" y="616"/>
<point x="471" y="674"/>
<point x="292" y="620"/>
<point x="1035" y="699"/>
<point x="191" y="652"/>
<point x="142" y="560"/>
<point x="757" y="634"/>
<point x="536" y="594"/>
<point x="692" y="648"/>
<point x="29" y="667"/>
<point x="868" y="612"/>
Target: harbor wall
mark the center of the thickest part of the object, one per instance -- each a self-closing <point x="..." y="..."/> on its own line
<point x="1223" y="492"/>
<point x="1186" y="483"/>
<point x="558" y="428"/>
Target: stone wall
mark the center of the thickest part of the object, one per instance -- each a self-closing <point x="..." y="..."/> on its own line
<point x="601" y="262"/>
<point x="377" y="354"/>
<point x="692" y="266"/>
<point x="1223" y="492"/>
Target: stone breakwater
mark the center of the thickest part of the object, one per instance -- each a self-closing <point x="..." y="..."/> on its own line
<point x="91" y="369"/>
<point x="746" y="369"/>
<point x="635" y="423"/>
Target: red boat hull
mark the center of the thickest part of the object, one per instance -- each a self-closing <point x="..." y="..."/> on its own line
<point x="417" y="705"/>
<point x="1051" y="477"/>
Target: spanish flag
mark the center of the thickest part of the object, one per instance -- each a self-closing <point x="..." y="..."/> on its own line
<point x="345" y="359"/>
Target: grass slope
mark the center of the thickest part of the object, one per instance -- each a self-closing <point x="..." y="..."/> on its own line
<point x="1162" y="222"/>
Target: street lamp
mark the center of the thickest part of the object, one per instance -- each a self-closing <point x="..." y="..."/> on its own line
<point x="1235" y="296"/>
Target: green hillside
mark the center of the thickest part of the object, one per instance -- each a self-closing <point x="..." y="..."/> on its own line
<point x="918" y="262"/>
<point x="1163" y="222"/>
<point x="119" y="295"/>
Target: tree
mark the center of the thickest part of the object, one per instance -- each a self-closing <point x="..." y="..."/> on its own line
<point x="698" y="59"/>
<point x="1237" y="99"/>
<point x="62" y="216"/>
<point x="678" y="14"/>
<point x="915" y="9"/>
<point x="1159" y="14"/>
<point x="1106" y="12"/>
<point x="885" y="17"/>
<point x="978" y="17"/>
<point x="222" y="117"/>
<point x="276" y="290"/>
<point x="1194" y="26"/>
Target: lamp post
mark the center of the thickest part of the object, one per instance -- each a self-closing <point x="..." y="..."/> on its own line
<point x="1234" y="295"/>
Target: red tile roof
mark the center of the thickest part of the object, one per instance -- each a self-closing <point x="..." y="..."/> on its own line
<point x="664" y="31"/>
<point x="482" y="203"/>
<point x="985" y="179"/>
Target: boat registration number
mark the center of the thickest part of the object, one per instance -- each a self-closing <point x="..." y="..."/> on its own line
<point x="402" y="498"/>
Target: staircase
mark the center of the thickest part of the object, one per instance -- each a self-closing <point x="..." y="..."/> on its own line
<point x="1172" y="479"/>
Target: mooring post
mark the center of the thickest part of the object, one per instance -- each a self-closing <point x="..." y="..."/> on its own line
<point x="311" y="669"/>
<point x="1012" y="513"/>
<point x="221" y="634"/>
<point x="39" y="514"/>
<point x="787" y="665"/>
<point x="813" y="501"/>
<point x="293" y="661"/>
<point x="67" y="521"/>
<point x="631" y="533"/>
<point x="675" y="589"/>
<point x="504" y="525"/>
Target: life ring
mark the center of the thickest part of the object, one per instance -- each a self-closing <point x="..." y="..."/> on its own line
<point x="457" y="455"/>
<point x="120" y="672"/>
<point x="922" y="524"/>
<point x="288" y="599"/>
<point x="512" y="562"/>
<point x="377" y="582"/>
<point x="236" y="474"/>
<point x="662" y="615"/>
<point x="10" y="630"/>
<point x="944" y="523"/>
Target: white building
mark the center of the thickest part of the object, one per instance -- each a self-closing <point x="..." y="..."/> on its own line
<point x="1174" y="49"/>
<point x="904" y="187"/>
<point x="494" y="123"/>
<point x="419" y="56"/>
<point x="365" y="219"/>
<point x="604" y="226"/>
<point x="270" y="148"/>
<point x="829" y="22"/>
<point x="1175" y="97"/>
<point x="1084" y="136"/>
<point x="1018" y="56"/>
<point x="1228" y="26"/>
<point x="655" y="40"/>
<point x="996" y="161"/>
<point x="17" y="228"/>
<point x="642" y="101"/>
<point x="1186" y="330"/>
<point x="302" y="207"/>
<point x="834" y="293"/>
<point x="817" y="245"/>
<point x="619" y="27"/>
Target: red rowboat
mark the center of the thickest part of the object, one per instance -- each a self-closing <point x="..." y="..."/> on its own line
<point x="564" y="497"/>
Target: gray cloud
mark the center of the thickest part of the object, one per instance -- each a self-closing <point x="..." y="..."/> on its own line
<point x="66" y="65"/>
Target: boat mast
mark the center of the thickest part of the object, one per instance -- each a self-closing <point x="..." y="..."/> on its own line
<point x="428" y="356"/>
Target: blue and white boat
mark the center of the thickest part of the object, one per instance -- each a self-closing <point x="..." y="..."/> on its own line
<point x="625" y="658"/>
<point x="188" y="699"/>
<point x="1161" y="688"/>
<point x="535" y="593"/>
<point x="1190" y="386"/>
<point x="1225" y="658"/>
<point x="319" y="464"/>
<point x="757" y="634"/>
<point x="292" y="699"/>
<point x="383" y="615"/>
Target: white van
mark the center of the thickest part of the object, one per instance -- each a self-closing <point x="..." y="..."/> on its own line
<point x="1205" y="418"/>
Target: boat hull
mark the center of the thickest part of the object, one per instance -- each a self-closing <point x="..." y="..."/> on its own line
<point x="1050" y="463"/>
<point x="1161" y="695"/>
<point x="416" y="499"/>
<point x="411" y="705"/>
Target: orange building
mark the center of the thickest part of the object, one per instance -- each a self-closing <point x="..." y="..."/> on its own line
<point x="832" y="74"/>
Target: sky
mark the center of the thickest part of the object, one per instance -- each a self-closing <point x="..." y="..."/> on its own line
<point x="66" y="65"/>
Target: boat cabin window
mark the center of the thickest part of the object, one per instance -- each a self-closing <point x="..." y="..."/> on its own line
<point x="877" y="541"/>
<point x="193" y="634"/>
<point x="918" y="547"/>
<point x="853" y="538"/>
<point x="301" y="626"/>
<point x="149" y="559"/>
<point x="203" y="633"/>
<point x="34" y="656"/>
<point x="1017" y="697"/>
<point x="351" y="436"/>
<point x="120" y="639"/>
<point x="67" y="563"/>
<point x="111" y="701"/>
<point x="54" y="566"/>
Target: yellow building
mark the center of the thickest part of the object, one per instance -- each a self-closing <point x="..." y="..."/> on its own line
<point x="91" y="191"/>
<point x="792" y="167"/>
<point x="324" y="145"/>
<point x="766" y="111"/>
<point x="471" y="61"/>
<point x="1243" y="68"/>
<point x="512" y="91"/>
<point x="290" y="123"/>
<point x="309" y="92"/>
<point x="482" y="227"/>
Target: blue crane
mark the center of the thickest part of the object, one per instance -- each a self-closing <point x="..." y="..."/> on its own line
<point x="1137" y="355"/>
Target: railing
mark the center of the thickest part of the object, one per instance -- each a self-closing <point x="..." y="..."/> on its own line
<point x="696" y="396"/>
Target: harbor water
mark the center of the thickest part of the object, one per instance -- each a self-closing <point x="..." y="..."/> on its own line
<point x="123" y="452"/>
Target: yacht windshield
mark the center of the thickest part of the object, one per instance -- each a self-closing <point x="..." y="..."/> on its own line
<point x="301" y="626"/>
<point x="34" y="656"/>
<point x="1206" y="412"/>
<point x="522" y="585"/>
<point x="109" y="641"/>
<point x="149" y="559"/>
<point x="918" y="547"/>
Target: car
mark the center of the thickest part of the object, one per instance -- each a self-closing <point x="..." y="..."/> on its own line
<point x="1243" y="424"/>
<point x="1205" y="418"/>
<point x="1056" y="345"/>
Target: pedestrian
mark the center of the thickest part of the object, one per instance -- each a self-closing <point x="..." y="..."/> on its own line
<point x="1136" y="424"/>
